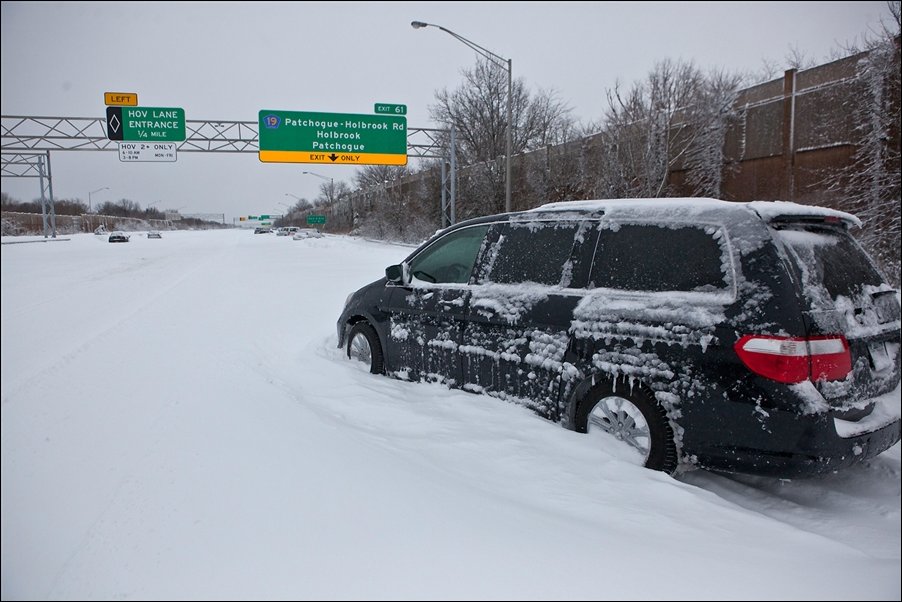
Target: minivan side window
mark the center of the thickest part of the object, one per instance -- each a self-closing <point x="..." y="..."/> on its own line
<point x="450" y="259"/>
<point x="653" y="258"/>
<point x="531" y="252"/>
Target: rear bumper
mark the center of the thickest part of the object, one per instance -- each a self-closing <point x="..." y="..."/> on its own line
<point x="786" y="444"/>
<point x="840" y="454"/>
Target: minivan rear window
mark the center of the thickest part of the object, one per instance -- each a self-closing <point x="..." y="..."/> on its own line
<point x="654" y="258"/>
<point x="829" y="258"/>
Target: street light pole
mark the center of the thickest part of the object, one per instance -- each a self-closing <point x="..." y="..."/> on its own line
<point x="285" y="217"/>
<point x="506" y="64"/>
<point x="331" y="184"/>
<point x="332" y="208"/>
<point x="92" y="192"/>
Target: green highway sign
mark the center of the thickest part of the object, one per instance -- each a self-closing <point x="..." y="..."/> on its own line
<point x="387" y="109"/>
<point x="149" y="124"/>
<point x="264" y="217"/>
<point x="316" y="219"/>
<point x="334" y="138"/>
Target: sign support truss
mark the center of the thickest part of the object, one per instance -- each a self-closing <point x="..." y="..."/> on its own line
<point x="24" y="135"/>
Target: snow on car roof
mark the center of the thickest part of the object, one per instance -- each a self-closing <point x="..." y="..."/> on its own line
<point x="767" y="210"/>
<point x="770" y="210"/>
<point x="608" y="204"/>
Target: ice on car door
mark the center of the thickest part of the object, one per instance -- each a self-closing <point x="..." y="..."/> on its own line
<point x="427" y="314"/>
<point x="520" y="310"/>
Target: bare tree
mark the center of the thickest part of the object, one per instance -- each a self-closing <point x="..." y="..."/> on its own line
<point x="710" y="116"/>
<point x="386" y="208"/>
<point x="871" y="185"/>
<point x="797" y="59"/>
<point x="676" y="118"/>
<point x="378" y="175"/>
<point x="301" y="205"/>
<point x="477" y="110"/>
<point x="121" y="208"/>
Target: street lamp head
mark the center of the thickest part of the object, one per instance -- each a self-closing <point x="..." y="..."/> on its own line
<point x="418" y="24"/>
<point x="93" y="192"/>
<point x="322" y="177"/>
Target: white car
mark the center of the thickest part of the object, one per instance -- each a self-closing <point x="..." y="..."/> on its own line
<point x="305" y="233"/>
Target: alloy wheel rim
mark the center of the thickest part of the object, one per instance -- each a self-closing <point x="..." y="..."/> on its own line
<point x="360" y="349"/>
<point x="622" y="419"/>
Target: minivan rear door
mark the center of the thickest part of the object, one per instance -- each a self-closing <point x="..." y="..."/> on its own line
<point x="844" y="294"/>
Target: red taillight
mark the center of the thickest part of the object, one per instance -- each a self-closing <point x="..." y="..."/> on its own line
<point x="795" y="359"/>
<point x="830" y="358"/>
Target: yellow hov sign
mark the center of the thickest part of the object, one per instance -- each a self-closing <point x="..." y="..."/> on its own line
<point x="128" y="99"/>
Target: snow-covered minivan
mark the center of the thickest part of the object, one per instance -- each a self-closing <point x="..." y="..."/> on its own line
<point x="750" y="337"/>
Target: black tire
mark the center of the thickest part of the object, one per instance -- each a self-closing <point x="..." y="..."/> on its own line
<point x="363" y="345"/>
<point x="614" y="410"/>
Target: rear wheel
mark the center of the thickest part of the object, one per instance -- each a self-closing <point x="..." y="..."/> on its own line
<point x="364" y="346"/>
<point x="634" y="419"/>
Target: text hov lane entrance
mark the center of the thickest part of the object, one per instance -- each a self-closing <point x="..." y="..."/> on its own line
<point x="147" y="124"/>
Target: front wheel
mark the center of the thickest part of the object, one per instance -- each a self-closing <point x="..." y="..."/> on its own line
<point x="364" y="346"/>
<point x="633" y="419"/>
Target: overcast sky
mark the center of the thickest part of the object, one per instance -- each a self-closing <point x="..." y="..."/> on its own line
<point x="227" y="61"/>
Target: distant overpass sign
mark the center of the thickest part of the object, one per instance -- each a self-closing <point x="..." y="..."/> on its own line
<point x="336" y="138"/>
<point x="147" y="124"/>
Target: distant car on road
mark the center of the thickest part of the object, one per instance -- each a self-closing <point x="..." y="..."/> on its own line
<point x="118" y="237"/>
<point x="154" y="234"/>
<point x="262" y="231"/>
<point x="305" y="233"/>
<point x="287" y="230"/>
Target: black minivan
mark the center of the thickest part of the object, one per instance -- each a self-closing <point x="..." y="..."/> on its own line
<point x="742" y="337"/>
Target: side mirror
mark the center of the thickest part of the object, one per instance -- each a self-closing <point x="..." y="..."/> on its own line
<point x="396" y="274"/>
